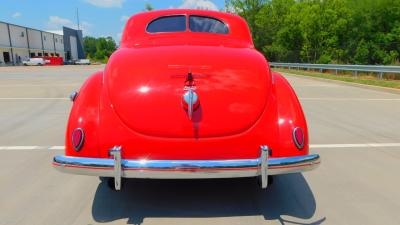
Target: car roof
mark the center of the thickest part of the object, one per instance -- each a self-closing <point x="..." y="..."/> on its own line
<point x="135" y="30"/>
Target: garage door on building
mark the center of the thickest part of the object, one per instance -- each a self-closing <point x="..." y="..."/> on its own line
<point x="5" y="55"/>
<point x="74" y="47"/>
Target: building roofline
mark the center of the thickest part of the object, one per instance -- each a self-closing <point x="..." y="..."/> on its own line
<point x="72" y="28"/>
<point x="29" y="28"/>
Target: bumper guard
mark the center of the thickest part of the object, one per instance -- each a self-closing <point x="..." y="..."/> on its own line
<point x="185" y="169"/>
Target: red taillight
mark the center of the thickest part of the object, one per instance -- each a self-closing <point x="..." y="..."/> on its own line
<point x="78" y="137"/>
<point x="298" y="137"/>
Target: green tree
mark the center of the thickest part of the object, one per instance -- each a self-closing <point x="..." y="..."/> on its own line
<point x="248" y="9"/>
<point x="99" y="49"/>
<point x="89" y="46"/>
<point x="362" y="53"/>
<point x="148" y="7"/>
<point x="324" y="31"/>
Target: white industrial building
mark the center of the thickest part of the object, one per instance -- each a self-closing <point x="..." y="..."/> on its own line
<point x="18" y="43"/>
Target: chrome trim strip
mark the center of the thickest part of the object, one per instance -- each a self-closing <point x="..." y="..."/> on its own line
<point x="264" y="166"/>
<point x="73" y="96"/>
<point x="190" y="103"/>
<point x="298" y="145"/>
<point x="191" y="98"/>
<point x="78" y="147"/>
<point x="186" y="169"/>
<point x="116" y="152"/>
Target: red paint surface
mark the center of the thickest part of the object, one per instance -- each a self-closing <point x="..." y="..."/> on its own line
<point x="137" y="102"/>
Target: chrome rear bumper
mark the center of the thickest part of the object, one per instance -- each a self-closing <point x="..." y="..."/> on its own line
<point x="185" y="169"/>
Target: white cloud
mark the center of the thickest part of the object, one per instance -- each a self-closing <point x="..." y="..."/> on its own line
<point x="16" y="15"/>
<point x="59" y="32"/>
<point x="119" y="36"/>
<point x="56" y="23"/>
<point x="124" y="18"/>
<point x="198" y="4"/>
<point x="106" y="3"/>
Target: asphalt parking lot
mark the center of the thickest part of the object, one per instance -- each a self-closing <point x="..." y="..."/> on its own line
<point x="355" y="130"/>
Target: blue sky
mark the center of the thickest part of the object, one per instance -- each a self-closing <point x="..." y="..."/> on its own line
<point x="97" y="17"/>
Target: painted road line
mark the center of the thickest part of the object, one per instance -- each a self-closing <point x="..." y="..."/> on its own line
<point x="366" y="145"/>
<point x="34" y="98"/>
<point x="8" y="148"/>
<point x="313" y="146"/>
<point x="352" y="99"/>
<point x="40" y="85"/>
<point x="57" y="147"/>
<point x="19" y="147"/>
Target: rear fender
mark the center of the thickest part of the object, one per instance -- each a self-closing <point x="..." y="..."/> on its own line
<point x="85" y="114"/>
<point x="290" y="115"/>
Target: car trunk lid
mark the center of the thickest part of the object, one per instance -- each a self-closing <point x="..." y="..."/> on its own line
<point x="146" y="87"/>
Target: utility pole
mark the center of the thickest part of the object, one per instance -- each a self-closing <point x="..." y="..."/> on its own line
<point x="77" y="17"/>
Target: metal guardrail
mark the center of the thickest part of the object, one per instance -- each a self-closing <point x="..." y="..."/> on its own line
<point x="380" y="70"/>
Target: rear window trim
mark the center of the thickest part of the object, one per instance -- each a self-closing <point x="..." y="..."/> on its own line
<point x="187" y="19"/>
<point x="210" y="17"/>
<point x="167" y="32"/>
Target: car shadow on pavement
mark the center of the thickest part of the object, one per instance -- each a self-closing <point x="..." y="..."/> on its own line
<point x="289" y="195"/>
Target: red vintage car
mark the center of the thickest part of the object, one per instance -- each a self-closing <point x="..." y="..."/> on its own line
<point x="186" y="96"/>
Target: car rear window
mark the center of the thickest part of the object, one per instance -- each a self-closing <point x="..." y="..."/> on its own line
<point x="167" y="24"/>
<point x="207" y="24"/>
